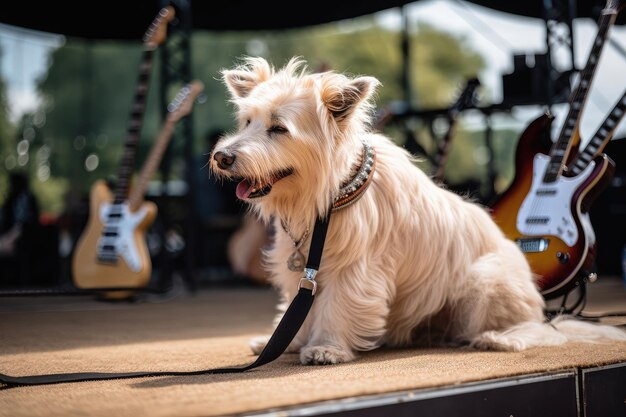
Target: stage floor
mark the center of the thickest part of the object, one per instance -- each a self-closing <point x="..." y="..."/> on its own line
<point x="211" y="328"/>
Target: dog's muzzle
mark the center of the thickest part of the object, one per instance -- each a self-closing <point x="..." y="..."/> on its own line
<point x="247" y="188"/>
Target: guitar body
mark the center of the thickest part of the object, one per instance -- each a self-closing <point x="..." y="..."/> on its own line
<point x="131" y="267"/>
<point x="550" y="222"/>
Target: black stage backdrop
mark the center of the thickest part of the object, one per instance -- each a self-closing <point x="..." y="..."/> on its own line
<point x="127" y="20"/>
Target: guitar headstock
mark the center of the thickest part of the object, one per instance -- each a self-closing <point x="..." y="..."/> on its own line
<point x="182" y="104"/>
<point x="157" y="31"/>
<point x="613" y="6"/>
<point x="468" y="97"/>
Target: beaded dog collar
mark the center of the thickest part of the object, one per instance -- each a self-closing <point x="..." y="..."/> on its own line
<point x="353" y="190"/>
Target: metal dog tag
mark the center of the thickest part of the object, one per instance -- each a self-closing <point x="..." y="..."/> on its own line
<point x="296" y="262"/>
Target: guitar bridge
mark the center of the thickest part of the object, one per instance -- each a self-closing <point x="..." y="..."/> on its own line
<point x="106" y="252"/>
<point x="535" y="244"/>
<point x="109" y="259"/>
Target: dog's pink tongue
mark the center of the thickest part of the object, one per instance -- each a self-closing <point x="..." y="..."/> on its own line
<point x="243" y="189"/>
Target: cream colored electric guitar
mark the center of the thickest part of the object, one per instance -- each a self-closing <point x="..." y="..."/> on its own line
<point x="112" y="251"/>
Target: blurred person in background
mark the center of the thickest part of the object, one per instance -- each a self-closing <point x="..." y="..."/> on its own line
<point x="20" y="208"/>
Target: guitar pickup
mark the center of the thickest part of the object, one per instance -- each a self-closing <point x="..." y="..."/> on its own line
<point x="546" y="192"/>
<point x="110" y="232"/>
<point x="537" y="220"/>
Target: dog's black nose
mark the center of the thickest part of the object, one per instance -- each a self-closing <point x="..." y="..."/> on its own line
<point x="224" y="160"/>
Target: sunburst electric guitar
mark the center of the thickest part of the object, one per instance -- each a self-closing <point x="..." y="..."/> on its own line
<point x="93" y="254"/>
<point x="544" y="209"/>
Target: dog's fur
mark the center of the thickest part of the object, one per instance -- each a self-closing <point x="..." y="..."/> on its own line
<point x="410" y="262"/>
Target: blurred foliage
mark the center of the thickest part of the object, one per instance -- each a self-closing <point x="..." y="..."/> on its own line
<point x="88" y="91"/>
<point x="7" y="143"/>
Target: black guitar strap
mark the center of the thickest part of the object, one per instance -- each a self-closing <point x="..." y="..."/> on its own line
<point x="283" y="335"/>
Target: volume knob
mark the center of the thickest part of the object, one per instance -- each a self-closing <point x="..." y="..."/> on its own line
<point x="563" y="257"/>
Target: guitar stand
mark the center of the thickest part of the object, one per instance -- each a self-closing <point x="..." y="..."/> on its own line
<point x="578" y="305"/>
<point x="175" y="257"/>
<point x="577" y="308"/>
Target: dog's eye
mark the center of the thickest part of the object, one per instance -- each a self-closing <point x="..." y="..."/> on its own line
<point x="277" y="129"/>
<point x="247" y="122"/>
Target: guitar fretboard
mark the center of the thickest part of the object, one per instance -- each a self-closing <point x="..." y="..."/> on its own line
<point x="127" y="162"/>
<point x="601" y="138"/>
<point x="561" y="147"/>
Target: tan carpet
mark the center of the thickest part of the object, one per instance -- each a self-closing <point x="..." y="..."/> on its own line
<point x="211" y="329"/>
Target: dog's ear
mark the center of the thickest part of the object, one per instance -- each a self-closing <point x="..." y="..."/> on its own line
<point x="241" y="80"/>
<point x="343" y="98"/>
<point x="239" y="83"/>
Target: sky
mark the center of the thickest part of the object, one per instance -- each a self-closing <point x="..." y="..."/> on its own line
<point x="24" y="59"/>
<point x="495" y="35"/>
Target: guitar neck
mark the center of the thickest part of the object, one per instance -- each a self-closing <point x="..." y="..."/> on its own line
<point x="562" y="146"/>
<point x="127" y="162"/>
<point x="466" y="99"/>
<point x="150" y="166"/>
<point x="603" y="136"/>
<point x="443" y="148"/>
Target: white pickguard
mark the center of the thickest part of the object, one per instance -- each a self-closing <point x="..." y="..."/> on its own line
<point x="547" y="210"/>
<point x="125" y="226"/>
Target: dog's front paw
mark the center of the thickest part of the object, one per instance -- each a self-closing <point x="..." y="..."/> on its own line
<point x="257" y="344"/>
<point x="324" y="355"/>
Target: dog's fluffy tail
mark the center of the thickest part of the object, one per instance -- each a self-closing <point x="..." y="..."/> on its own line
<point x="558" y="331"/>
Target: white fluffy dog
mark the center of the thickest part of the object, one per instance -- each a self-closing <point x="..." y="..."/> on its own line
<point x="408" y="262"/>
